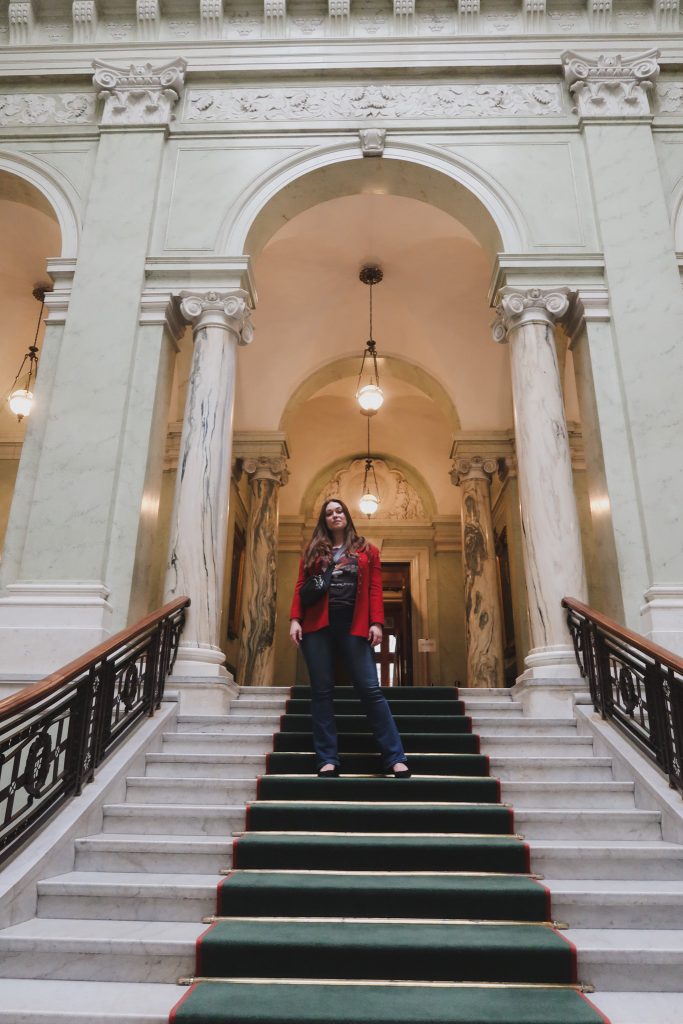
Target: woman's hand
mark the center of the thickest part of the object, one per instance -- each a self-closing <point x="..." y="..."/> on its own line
<point x="375" y="634"/>
<point x="295" y="632"/>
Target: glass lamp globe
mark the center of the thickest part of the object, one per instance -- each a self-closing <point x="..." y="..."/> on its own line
<point x="369" y="504"/>
<point x="371" y="397"/>
<point x="21" y="402"/>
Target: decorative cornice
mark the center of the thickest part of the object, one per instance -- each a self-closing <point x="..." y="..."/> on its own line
<point x="474" y="468"/>
<point x="84" y="15"/>
<point x="229" y="310"/>
<point x="21" y="16"/>
<point x="611" y="86"/>
<point x="140" y="94"/>
<point x="248" y="444"/>
<point x="158" y="308"/>
<point x="519" y="306"/>
<point x="211" y="17"/>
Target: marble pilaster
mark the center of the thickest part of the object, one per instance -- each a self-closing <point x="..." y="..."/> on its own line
<point x="614" y="100"/>
<point x="257" y="650"/>
<point x="220" y="321"/>
<point x="484" y="623"/>
<point x="553" y="554"/>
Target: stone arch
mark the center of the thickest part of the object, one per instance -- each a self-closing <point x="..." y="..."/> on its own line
<point x="397" y="366"/>
<point x="24" y="179"/>
<point x="445" y="180"/>
<point x="677" y="214"/>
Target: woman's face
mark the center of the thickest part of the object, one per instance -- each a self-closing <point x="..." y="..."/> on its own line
<point x="334" y="516"/>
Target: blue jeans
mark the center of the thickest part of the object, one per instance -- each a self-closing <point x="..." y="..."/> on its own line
<point x="319" y="649"/>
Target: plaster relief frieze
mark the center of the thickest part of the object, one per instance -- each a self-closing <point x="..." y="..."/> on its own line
<point x="374" y="102"/>
<point x="668" y="98"/>
<point x="57" y="108"/>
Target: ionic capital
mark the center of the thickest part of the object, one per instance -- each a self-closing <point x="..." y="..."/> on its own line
<point x="228" y="310"/>
<point x="473" y="468"/>
<point x="140" y="94"/>
<point x="266" y="468"/>
<point x="519" y="306"/>
<point x="611" y="86"/>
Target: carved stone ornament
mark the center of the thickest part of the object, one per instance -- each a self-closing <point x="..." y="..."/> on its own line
<point x="21" y="18"/>
<point x="266" y="467"/>
<point x="140" y="94"/>
<point x="84" y="15"/>
<point x="399" y="501"/>
<point x="372" y="141"/>
<point x="376" y="102"/>
<point x="519" y="306"/>
<point x="473" y="468"/>
<point x="611" y="86"/>
<point x="55" y="108"/>
<point x="228" y="310"/>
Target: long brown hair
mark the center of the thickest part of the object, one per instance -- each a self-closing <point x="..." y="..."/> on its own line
<point x="318" y="551"/>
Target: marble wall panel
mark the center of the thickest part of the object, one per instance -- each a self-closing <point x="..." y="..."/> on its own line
<point x="70" y="519"/>
<point x="8" y="476"/>
<point x="647" y="310"/>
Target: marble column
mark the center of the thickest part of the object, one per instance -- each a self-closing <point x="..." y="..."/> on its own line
<point x="266" y="476"/>
<point x="550" y="524"/>
<point x="220" y="321"/>
<point x="484" y="617"/>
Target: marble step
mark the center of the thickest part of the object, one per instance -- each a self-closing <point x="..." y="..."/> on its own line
<point x="259" y="703"/>
<point x="86" y="1002"/>
<point x="509" y="707"/>
<point x="168" y="819"/>
<point x="612" y="903"/>
<point x="82" y="1002"/>
<point x="638" y="1007"/>
<point x="188" y="855"/>
<point x="620" y="959"/>
<point x="246" y="722"/>
<point x="219" y="724"/>
<point x="561" y="769"/>
<point x="632" y="860"/>
<point x="559" y="795"/>
<point x="68" y="949"/>
<point x="229" y="742"/>
<point x="206" y="766"/>
<point x="489" y="725"/>
<point x="196" y="792"/>
<point x="127" y="896"/>
<point x="574" y="824"/>
<point x="500" y="744"/>
<point x="264" y="691"/>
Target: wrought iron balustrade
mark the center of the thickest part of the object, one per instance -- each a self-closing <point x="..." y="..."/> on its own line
<point x="55" y="734"/>
<point x="635" y="684"/>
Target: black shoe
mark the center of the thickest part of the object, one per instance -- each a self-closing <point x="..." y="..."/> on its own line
<point x="330" y="773"/>
<point x="404" y="774"/>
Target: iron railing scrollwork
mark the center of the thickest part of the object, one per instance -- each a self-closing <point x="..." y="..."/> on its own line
<point x="635" y="684"/>
<point x="54" y="735"/>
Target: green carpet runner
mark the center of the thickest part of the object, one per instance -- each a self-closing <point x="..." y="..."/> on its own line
<point x="373" y="900"/>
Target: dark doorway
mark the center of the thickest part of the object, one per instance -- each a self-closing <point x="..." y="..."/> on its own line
<point x="394" y="656"/>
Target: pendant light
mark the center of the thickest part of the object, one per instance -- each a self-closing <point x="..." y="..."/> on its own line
<point x="369" y="394"/>
<point x="20" y="397"/>
<point x="370" y="499"/>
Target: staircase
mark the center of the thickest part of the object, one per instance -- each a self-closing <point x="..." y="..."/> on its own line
<point x="111" y="937"/>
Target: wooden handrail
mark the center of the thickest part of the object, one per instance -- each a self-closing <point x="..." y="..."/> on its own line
<point x="29" y="695"/>
<point x="656" y="652"/>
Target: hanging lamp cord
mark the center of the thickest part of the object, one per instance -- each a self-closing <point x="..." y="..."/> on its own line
<point x="31" y="354"/>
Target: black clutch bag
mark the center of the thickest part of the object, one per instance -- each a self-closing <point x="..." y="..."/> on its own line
<point x="315" y="587"/>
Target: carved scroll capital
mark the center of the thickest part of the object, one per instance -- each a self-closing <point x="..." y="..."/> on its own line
<point x="475" y="467"/>
<point x="519" y="306"/>
<point x="140" y="94"/>
<point x="266" y="467"/>
<point x="616" y="86"/>
<point x="229" y="310"/>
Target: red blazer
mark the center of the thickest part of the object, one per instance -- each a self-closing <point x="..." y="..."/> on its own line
<point x="368" y="609"/>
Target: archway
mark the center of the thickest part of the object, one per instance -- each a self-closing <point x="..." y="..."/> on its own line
<point x="31" y="233"/>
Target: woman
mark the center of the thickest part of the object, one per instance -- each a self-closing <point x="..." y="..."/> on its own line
<point x="348" y="621"/>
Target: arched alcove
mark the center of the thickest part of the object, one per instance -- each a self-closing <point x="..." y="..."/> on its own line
<point x="445" y="180"/>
